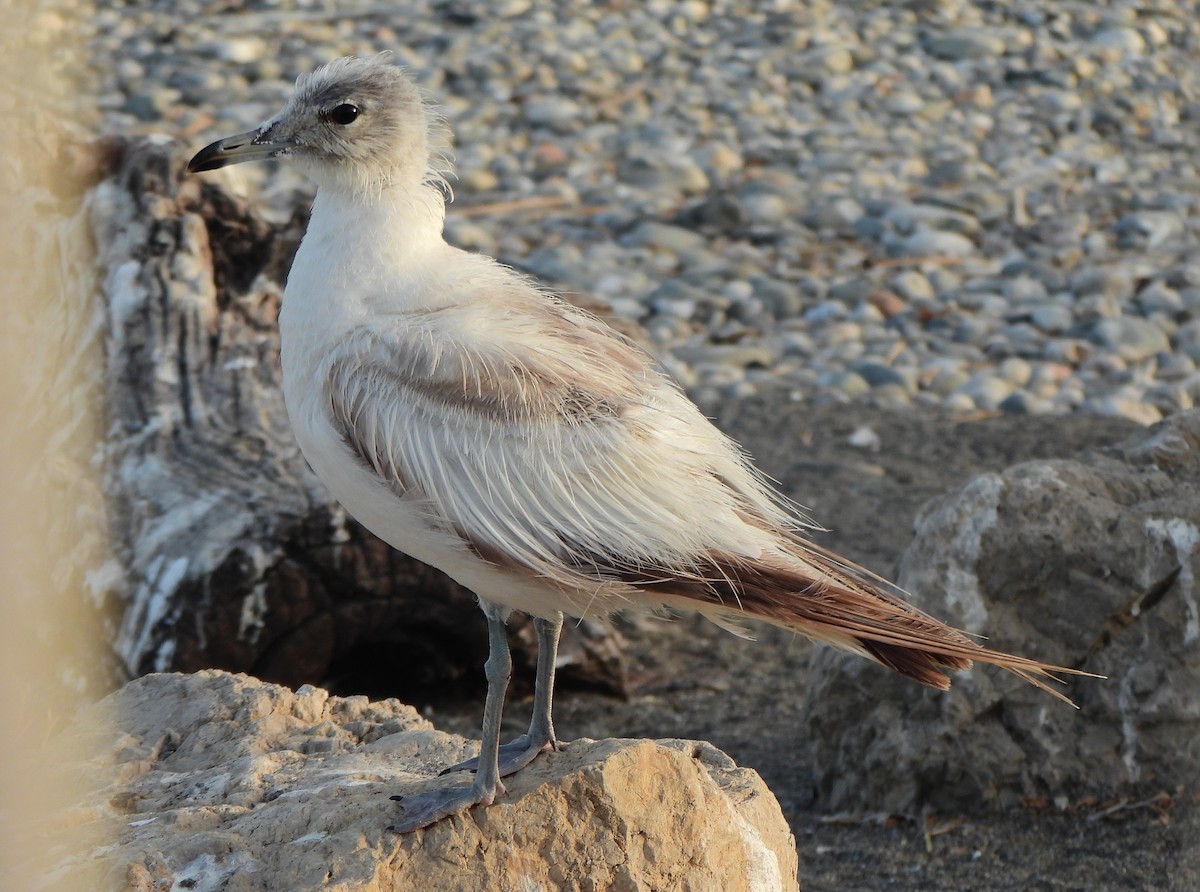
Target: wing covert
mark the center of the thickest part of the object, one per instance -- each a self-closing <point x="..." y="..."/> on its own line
<point x="549" y="442"/>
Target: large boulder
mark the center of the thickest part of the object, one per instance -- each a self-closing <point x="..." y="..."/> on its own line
<point x="220" y="781"/>
<point x="1089" y="563"/>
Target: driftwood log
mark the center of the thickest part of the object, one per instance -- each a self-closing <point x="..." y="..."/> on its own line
<point x="231" y="553"/>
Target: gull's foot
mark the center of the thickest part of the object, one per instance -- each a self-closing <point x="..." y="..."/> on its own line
<point x="422" y="809"/>
<point x="514" y="755"/>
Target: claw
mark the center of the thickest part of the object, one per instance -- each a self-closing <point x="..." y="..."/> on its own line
<point x="512" y="757"/>
<point x="422" y="809"/>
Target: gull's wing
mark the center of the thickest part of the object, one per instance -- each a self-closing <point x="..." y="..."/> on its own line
<point x="542" y="438"/>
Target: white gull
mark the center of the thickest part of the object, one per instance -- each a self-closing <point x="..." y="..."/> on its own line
<point x="479" y="424"/>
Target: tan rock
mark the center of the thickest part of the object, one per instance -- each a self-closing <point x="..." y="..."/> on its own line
<point x="216" y="781"/>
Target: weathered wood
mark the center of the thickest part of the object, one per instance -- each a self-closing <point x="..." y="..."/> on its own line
<point x="234" y="555"/>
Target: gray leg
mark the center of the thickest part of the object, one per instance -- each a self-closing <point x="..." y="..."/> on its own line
<point x="514" y="756"/>
<point x="423" y="809"/>
<point x="541" y="727"/>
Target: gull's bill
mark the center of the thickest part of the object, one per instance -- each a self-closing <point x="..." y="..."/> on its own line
<point x="254" y="145"/>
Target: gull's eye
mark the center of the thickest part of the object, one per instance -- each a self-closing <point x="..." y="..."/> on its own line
<point x="343" y="114"/>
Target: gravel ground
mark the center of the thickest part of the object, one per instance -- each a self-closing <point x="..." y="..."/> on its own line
<point x="940" y="204"/>
<point x="936" y="208"/>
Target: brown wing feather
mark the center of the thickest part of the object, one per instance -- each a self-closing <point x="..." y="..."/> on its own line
<point x="839" y="606"/>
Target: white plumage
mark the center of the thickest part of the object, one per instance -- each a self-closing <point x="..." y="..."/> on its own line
<point x="519" y="444"/>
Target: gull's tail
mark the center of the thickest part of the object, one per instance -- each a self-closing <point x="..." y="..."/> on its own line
<point x="814" y="592"/>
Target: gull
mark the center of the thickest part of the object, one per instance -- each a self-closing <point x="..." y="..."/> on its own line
<point x="484" y="426"/>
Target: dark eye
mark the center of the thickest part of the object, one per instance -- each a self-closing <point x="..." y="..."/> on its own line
<point x="343" y="114"/>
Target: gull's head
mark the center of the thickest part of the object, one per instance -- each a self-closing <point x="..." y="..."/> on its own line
<point x="357" y="124"/>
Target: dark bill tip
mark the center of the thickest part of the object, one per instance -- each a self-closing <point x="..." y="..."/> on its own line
<point x="253" y="146"/>
<point x="211" y="157"/>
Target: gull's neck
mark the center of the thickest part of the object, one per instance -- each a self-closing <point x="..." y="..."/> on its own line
<point x="366" y="252"/>
<point x="406" y="213"/>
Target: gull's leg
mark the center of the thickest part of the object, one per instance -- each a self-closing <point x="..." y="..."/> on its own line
<point x="515" y="755"/>
<point x="541" y="726"/>
<point x="422" y="809"/>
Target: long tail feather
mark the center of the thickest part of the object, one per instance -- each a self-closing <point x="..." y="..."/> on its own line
<point x="828" y="599"/>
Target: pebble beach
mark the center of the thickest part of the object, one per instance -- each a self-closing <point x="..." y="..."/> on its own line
<point x="943" y="205"/>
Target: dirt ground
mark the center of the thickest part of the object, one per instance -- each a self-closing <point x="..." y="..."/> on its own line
<point x="687" y="671"/>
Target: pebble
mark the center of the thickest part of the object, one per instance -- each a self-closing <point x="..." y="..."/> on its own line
<point x="847" y="384"/>
<point x="912" y="285"/>
<point x="673" y="239"/>
<point x="1020" y="402"/>
<point x="876" y="374"/>
<point x="985" y="390"/>
<point x="1123" y="41"/>
<point x="917" y="205"/>
<point x="1122" y="406"/>
<point x="931" y="243"/>
<point x="965" y="43"/>
<point x="864" y="437"/>
<point x="1131" y="338"/>
<point x="1052" y="318"/>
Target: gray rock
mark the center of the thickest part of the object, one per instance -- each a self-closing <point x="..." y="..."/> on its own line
<point x="737" y="356"/>
<point x="675" y="239"/>
<point x="907" y="218"/>
<point x="1016" y="370"/>
<point x="930" y="243"/>
<point x="558" y="113"/>
<point x="153" y="105"/>
<point x="947" y="380"/>
<point x="891" y="397"/>
<point x="218" y="781"/>
<point x="877" y="374"/>
<point x="986" y="390"/>
<point x="840" y="215"/>
<point x="1187" y="339"/>
<point x="1091" y="563"/>
<point x="764" y="204"/>
<point x="848" y="384"/>
<point x="814" y="67"/>
<point x="1168" y="398"/>
<point x="782" y="299"/>
<point x="1131" y="338"/>
<point x="469" y="235"/>
<point x="826" y="311"/>
<point x="868" y="229"/>
<point x="851" y="290"/>
<point x="965" y="43"/>
<point x="904" y="102"/>
<point x="1052" y="318"/>
<point x="1025" y="290"/>
<point x="1123" y="406"/>
<point x="1112" y="282"/>
<point x="956" y="403"/>
<point x="660" y="173"/>
<point x="1067" y="350"/>
<point x="1147" y="229"/>
<point x="720" y="160"/>
<point x="912" y="285"/>
<point x="1159" y="297"/>
<point x="1190" y="298"/>
<point x="1123" y="41"/>
<point x="1173" y="366"/>
<point x="1021" y="402"/>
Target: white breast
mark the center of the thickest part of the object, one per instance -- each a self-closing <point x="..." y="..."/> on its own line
<point x="336" y="285"/>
